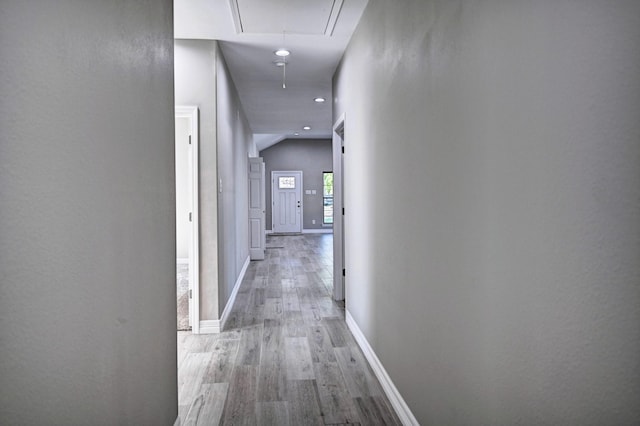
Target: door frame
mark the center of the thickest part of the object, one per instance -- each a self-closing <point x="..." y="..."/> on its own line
<point x="191" y="113"/>
<point x="339" y="264"/>
<point x="299" y="188"/>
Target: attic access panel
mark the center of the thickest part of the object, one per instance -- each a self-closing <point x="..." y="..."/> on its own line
<point x="309" y="17"/>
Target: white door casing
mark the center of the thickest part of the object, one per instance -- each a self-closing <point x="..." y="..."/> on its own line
<point x="191" y="114"/>
<point x="339" y="263"/>
<point x="286" y="197"/>
<point x="257" y="206"/>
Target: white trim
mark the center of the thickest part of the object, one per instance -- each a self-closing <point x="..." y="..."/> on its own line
<point x="235" y="15"/>
<point x="318" y="231"/>
<point x="232" y="299"/>
<point x="338" y="144"/>
<point x="209" y="326"/>
<point x="191" y="112"/>
<point x="217" y="326"/>
<point x="304" y="231"/>
<point x="399" y="405"/>
<point x="333" y="17"/>
<point x="177" y="422"/>
<point x="182" y="260"/>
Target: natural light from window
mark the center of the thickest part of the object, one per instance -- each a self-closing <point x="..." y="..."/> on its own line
<point x="327" y="197"/>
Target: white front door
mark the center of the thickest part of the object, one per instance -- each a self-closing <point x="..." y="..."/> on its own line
<point x="286" y="197"/>
<point x="257" y="241"/>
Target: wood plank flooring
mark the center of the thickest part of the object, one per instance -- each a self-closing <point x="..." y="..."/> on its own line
<point x="286" y="356"/>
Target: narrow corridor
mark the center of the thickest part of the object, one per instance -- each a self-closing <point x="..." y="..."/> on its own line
<point x="286" y="356"/>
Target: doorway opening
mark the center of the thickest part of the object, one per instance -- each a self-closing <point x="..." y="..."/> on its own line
<point x="187" y="225"/>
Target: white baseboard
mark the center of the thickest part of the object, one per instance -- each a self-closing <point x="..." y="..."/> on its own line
<point x="308" y="231"/>
<point x="209" y="326"/>
<point x="398" y="403"/>
<point x="318" y="231"/>
<point x="216" y="326"/>
<point x="234" y="293"/>
<point x="182" y="260"/>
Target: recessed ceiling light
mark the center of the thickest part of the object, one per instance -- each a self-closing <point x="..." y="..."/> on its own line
<point x="319" y="99"/>
<point x="279" y="63"/>
<point x="282" y="52"/>
<point x="296" y="134"/>
<point x="306" y="128"/>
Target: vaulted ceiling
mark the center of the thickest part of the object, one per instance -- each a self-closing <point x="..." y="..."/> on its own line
<point x="316" y="32"/>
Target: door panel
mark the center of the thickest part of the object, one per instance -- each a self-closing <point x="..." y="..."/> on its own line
<point x="257" y="206"/>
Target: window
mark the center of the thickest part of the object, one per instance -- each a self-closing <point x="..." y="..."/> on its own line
<point x="287" y="182"/>
<point x="327" y="197"/>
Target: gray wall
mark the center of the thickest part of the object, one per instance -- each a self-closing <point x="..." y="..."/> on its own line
<point x="235" y="144"/>
<point x="312" y="156"/>
<point x="226" y="141"/>
<point x="493" y="206"/>
<point x="195" y="84"/>
<point x="87" y="213"/>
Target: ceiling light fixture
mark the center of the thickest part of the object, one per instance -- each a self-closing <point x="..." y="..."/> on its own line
<point x="282" y="53"/>
<point x="319" y="100"/>
<point x="284" y="73"/>
<point x="306" y="128"/>
<point x="282" y="63"/>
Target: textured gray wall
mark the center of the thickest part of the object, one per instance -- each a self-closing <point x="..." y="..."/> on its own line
<point x="312" y="156"/>
<point x="195" y="75"/>
<point x="493" y="206"/>
<point x="87" y="213"/>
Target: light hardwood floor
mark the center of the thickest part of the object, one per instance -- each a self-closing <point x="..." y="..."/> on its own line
<point x="286" y="356"/>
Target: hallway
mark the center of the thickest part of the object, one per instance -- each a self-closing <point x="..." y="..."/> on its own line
<point x="286" y="356"/>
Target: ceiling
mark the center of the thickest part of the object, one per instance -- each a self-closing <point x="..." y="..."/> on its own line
<point x="316" y="32"/>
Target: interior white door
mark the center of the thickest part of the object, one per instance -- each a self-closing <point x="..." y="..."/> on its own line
<point x="257" y="226"/>
<point x="184" y="199"/>
<point x="286" y="197"/>
<point x="187" y="222"/>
